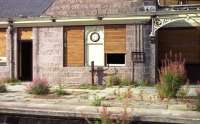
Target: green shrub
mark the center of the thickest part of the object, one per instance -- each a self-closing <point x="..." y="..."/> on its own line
<point x="113" y="81"/>
<point x="182" y="92"/>
<point x="97" y="101"/>
<point x="38" y="87"/>
<point x="141" y="83"/>
<point x="13" y="81"/>
<point x="126" y="82"/>
<point x="60" y="90"/>
<point x="172" y="75"/>
<point x="92" y="87"/>
<point x="198" y="96"/>
<point x="2" y="86"/>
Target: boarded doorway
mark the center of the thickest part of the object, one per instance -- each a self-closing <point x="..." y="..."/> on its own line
<point x="25" y="54"/>
<point x="185" y="41"/>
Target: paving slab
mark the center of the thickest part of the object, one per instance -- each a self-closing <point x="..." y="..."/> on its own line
<point x="78" y="104"/>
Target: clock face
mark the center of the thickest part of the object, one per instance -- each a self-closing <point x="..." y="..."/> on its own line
<point x="94" y="37"/>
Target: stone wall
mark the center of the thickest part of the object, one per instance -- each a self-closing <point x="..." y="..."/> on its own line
<point x="48" y="59"/>
<point x="95" y="7"/>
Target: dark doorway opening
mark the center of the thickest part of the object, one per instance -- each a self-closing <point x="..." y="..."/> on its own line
<point x="25" y="60"/>
<point x="184" y="41"/>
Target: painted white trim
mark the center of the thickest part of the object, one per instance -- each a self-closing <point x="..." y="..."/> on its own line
<point x="76" y="20"/>
<point x="3" y="23"/>
<point x="128" y="18"/>
<point x="3" y="59"/>
<point x="29" y="22"/>
<point x="116" y="65"/>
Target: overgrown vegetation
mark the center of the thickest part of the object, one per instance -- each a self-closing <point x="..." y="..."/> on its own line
<point x="60" y="90"/>
<point x="97" y="101"/>
<point x="172" y="75"/>
<point x="117" y="81"/>
<point x="198" y="95"/>
<point x="106" y="117"/>
<point x="3" y="88"/>
<point x="183" y="91"/>
<point x="113" y="81"/>
<point x="141" y="83"/>
<point x="121" y="95"/>
<point x="92" y="87"/>
<point x="13" y="81"/>
<point x="38" y="87"/>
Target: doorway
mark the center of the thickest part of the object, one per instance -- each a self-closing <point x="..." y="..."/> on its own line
<point x="25" y="60"/>
<point x="185" y="41"/>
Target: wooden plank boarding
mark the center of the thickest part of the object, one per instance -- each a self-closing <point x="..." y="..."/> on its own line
<point x="74" y="46"/>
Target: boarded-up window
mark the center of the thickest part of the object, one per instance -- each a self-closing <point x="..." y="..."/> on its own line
<point x="74" y="46"/>
<point x="115" y="39"/>
<point x="24" y="33"/>
<point x="2" y="42"/>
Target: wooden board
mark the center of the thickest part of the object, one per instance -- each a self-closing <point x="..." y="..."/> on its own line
<point x="74" y="50"/>
<point x="24" y="34"/>
<point x="115" y="38"/>
<point x="2" y="42"/>
<point x="185" y="41"/>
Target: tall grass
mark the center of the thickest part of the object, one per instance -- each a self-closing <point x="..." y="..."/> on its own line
<point x="172" y="75"/>
<point x="39" y="86"/>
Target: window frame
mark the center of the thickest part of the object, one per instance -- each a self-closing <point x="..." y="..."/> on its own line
<point x="115" y="65"/>
<point x="3" y="59"/>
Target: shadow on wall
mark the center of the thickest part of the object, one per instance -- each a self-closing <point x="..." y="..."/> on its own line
<point x="101" y="74"/>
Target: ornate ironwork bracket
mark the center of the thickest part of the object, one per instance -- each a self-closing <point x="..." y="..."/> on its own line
<point x="161" y="21"/>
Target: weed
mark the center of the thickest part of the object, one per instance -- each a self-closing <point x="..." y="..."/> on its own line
<point x="105" y="116"/>
<point x="92" y="87"/>
<point x="97" y="101"/>
<point x="141" y="83"/>
<point x="172" y="75"/>
<point x="3" y="88"/>
<point x="60" y="90"/>
<point x="123" y="95"/>
<point x="126" y="82"/>
<point x="198" y="96"/>
<point x="13" y="81"/>
<point x="113" y="81"/>
<point x="38" y="87"/>
<point x="182" y="92"/>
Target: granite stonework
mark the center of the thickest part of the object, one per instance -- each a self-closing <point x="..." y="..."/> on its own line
<point x="48" y="59"/>
<point x="48" y="44"/>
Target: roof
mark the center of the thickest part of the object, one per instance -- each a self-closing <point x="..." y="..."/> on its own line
<point x="21" y="8"/>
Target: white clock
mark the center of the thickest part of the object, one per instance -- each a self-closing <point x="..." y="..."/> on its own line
<point x="95" y="37"/>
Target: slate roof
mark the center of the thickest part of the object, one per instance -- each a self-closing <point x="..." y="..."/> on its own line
<point x="17" y="8"/>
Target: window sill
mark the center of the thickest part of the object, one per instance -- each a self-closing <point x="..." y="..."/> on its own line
<point x="116" y="65"/>
<point x="3" y="63"/>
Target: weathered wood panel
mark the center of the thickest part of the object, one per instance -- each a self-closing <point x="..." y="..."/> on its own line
<point x="115" y="39"/>
<point x="2" y="42"/>
<point x="184" y="41"/>
<point x="24" y="33"/>
<point x="74" y="46"/>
